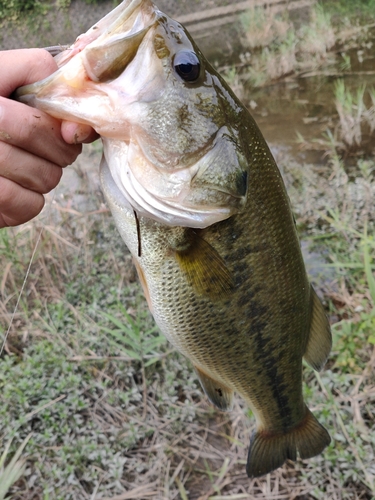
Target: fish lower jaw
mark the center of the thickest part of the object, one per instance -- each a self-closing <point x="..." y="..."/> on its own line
<point x="167" y="211"/>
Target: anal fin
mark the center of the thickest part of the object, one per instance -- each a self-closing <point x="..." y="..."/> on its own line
<point x="219" y="395"/>
<point x="269" y="450"/>
<point x="320" y="339"/>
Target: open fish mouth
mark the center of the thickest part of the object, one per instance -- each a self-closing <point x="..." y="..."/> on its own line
<point x="139" y="80"/>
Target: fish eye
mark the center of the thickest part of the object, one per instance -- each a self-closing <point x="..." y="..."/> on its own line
<point x="187" y="66"/>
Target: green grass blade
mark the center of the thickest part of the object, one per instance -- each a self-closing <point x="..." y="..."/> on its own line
<point x="14" y="470"/>
<point x="367" y="265"/>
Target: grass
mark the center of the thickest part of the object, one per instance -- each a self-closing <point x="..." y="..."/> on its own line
<point x="261" y="27"/>
<point x="352" y="133"/>
<point x="343" y="10"/>
<point x="318" y="37"/>
<point x="14" y="470"/>
<point x="16" y="10"/>
<point x="277" y="45"/>
<point x="352" y="114"/>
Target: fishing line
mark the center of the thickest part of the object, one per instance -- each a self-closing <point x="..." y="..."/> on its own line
<point x="26" y="275"/>
<point x="138" y="233"/>
<point x="53" y="51"/>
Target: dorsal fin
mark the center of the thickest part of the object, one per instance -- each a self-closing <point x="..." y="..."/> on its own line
<point x="219" y="395"/>
<point x="320" y="339"/>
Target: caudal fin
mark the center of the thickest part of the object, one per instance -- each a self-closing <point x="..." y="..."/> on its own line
<point x="269" y="450"/>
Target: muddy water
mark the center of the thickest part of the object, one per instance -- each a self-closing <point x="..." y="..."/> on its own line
<point x="305" y="105"/>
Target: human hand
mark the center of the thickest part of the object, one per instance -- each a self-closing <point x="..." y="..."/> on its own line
<point x="34" y="147"/>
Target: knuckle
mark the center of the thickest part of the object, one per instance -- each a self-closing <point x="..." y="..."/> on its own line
<point x="7" y="193"/>
<point x="25" y="132"/>
<point x="3" y="106"/>
<point x="43" y="63"/>
<point x="70" y="154"/>
<point x="5" y="113"/>
<point x="17" y="205"/>
<point x="18" y="123"/>
<point x="5" y="153"/>
<point x="51" y="178"/>
<point x="35" y="128"/>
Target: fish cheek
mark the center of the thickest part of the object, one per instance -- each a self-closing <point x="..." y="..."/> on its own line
<point x="224" y="171"/>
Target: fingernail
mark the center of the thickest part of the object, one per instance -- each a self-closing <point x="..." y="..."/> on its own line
<point x="82" y="133"/>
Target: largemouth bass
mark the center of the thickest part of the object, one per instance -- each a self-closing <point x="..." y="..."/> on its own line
<point x="199" y="201"/>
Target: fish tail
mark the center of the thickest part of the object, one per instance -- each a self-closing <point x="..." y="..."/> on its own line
<point x="269" y="450"/>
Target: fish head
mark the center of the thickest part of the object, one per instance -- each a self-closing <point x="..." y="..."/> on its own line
<point x="169" y="124"/>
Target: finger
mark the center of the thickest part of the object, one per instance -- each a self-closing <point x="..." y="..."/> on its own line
<point x="36" y="132"/>
<point x="17" y="204"/>
<point x="74" y="133"/>
<point x="29" y="171"/>
<point x="21" y="67"/>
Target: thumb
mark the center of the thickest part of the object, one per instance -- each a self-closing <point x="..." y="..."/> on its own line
<point x="74" y="133"/>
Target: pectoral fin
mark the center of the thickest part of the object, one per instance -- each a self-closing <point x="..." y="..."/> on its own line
<point x="205" y="269"/>
<point x="320" y="339"/>
<point x="219" y="395"/>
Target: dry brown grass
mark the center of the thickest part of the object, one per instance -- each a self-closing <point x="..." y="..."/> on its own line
<point x="264" y="26"/>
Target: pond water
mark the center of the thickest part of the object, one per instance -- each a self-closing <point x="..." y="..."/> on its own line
<point x="306" y="105"/>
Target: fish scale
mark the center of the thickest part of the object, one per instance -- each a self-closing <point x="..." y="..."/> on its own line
<point x="201" y="320"/>
<point x="199" y="201"/>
